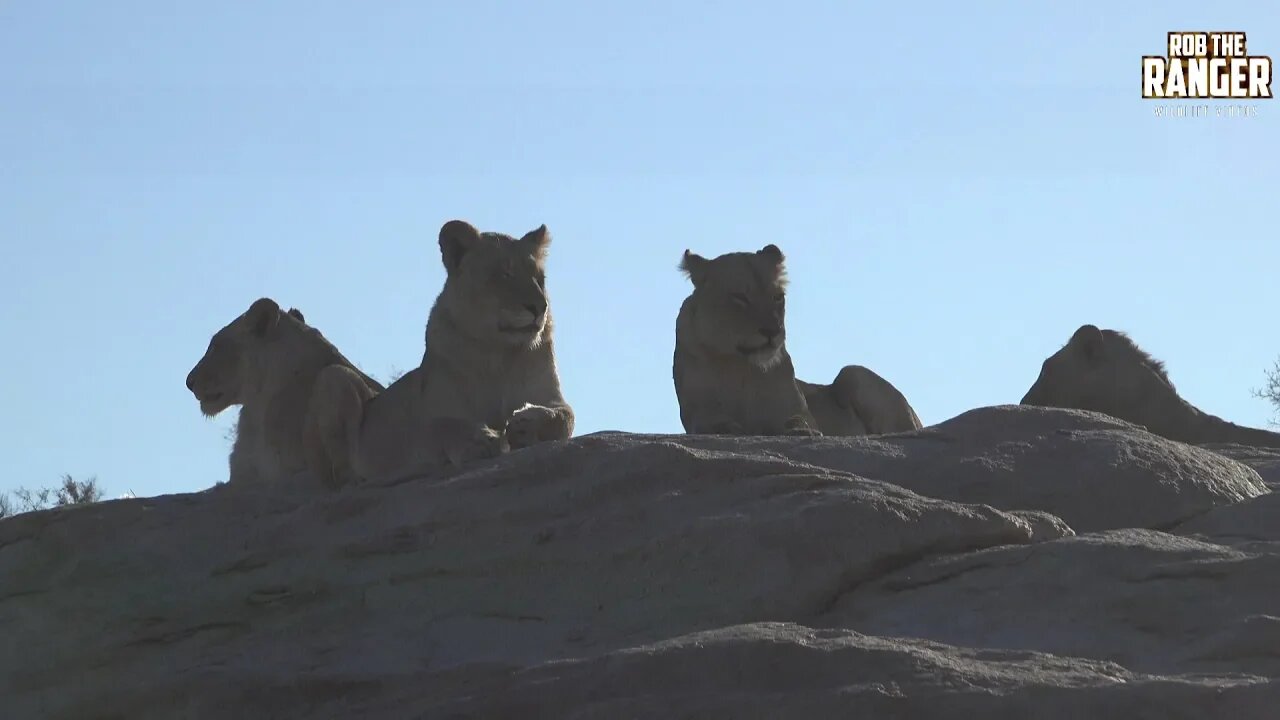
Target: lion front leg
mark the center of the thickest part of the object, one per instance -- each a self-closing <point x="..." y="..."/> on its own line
<point x="533" y="424"/>
<point x="331" y="433"/>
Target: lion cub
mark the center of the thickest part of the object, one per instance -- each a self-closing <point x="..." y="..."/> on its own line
<point x="733" y="374"/>
<point x="487" y="382"/>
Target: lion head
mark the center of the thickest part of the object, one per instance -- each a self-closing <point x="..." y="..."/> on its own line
<point x="238" y="356"/>
<point x="740" y="302"/>
<point x="496" y="285"/>
<point x="1103" y="371"/>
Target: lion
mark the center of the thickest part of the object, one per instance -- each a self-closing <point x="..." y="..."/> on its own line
<point x="1105" y="371"/>
<point x="488" y="372"/>
<point x="733" y="374"/>
<point x="267" y="362"/>
<point x="274" y="366"/>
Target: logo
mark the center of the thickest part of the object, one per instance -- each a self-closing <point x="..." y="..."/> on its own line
<point x="1213" y="65"/>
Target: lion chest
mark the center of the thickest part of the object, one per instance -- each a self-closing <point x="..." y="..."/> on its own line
<point x="486" y="391"/>
<point x="267" y="448"/>
<point x="758" y="401"/>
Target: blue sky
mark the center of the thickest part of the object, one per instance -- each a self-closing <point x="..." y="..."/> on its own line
<point x="956" y="191"/>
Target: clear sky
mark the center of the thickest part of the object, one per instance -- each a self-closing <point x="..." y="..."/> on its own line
<point x="956" y="191"/>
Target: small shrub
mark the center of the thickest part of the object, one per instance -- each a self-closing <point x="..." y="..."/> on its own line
<point x="1271" y="391"/>
<point x="69" y="492"/>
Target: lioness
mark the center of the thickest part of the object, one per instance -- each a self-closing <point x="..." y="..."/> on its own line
<point x="266" y="361"/>
<point x="1105" y="371"/>
<point x="733" y="374"/>
<point x="489" y="368"/>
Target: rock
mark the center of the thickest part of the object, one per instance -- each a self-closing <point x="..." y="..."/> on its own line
<point x="1266" y="461"/>
<point x="1045" y="526"/>
<point x="620" y="575"/>
<point x="1150" y="601"/>
<point x="784" y="670"/>
<point x="554" y="552"/>
<point x="1245" y="522"/>
<point x="763" y="670"/>
<point x="1089" y="469"/>
<point x="1249" y="521"/>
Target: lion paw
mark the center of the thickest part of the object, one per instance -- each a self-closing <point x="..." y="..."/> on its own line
<point x="530" y="425"/>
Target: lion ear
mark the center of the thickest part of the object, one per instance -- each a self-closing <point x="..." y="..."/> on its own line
<point x="456" y="238"/>
<point x="537" y="240"/>
<point x="694" y="266"/>
<point x="262" y="316"/>
<point x="1088" y="340"/>
<point x="772" y="252"/>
